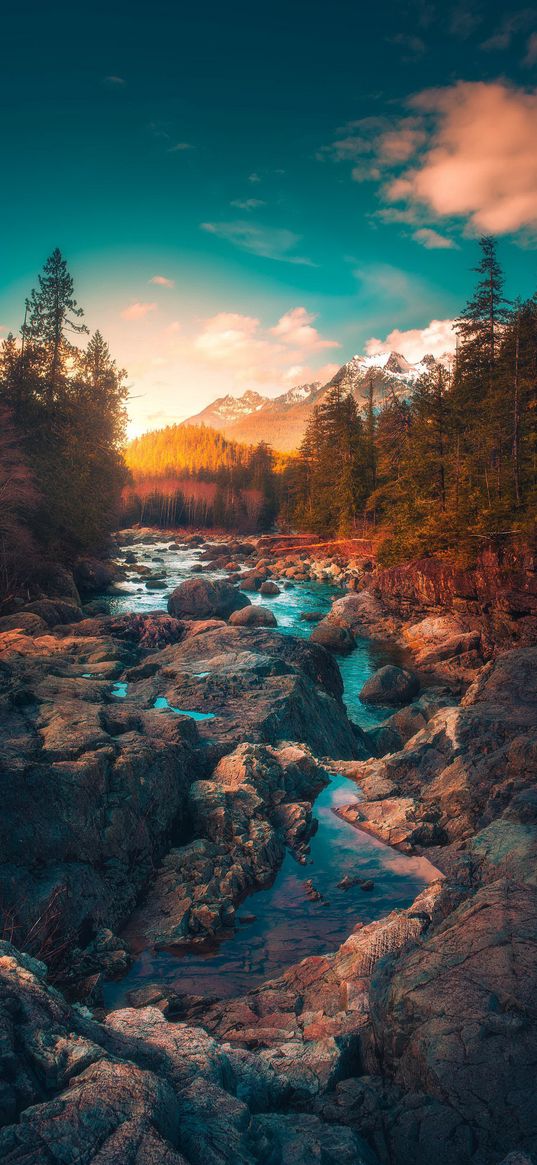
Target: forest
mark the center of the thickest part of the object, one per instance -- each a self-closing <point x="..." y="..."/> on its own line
<point x="62" y="434"/>
<point x="192" y="475"/>
<point x="453" y="466"/>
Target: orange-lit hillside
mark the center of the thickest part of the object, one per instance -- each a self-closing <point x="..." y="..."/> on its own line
<point x="180" y="450"/>
<point x="190" y="474"/>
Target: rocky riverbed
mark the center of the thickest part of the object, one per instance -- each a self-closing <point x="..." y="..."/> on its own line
<point x="166" y="752"/>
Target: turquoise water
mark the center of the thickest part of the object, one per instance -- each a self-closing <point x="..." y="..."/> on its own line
<point x="280" y="924"/>
<point x="162" y="705"/>
<point x="288" y="607"/>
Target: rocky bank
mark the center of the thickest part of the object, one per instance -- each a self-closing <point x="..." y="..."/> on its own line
<point x="416" y="1039"/>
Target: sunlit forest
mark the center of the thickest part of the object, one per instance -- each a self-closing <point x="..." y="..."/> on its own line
<point x="453" y="465"/>
<point x="192" y="475"/>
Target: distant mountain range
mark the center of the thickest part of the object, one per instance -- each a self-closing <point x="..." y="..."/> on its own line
<point x="282" y="420"/>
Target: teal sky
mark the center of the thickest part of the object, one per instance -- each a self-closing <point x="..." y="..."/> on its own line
<point x="284" y="171"/>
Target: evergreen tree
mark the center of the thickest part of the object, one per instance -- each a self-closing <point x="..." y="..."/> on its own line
<point x="52" y="312"/>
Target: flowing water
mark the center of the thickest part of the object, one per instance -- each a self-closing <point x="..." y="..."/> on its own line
<point x="279" y="924"/>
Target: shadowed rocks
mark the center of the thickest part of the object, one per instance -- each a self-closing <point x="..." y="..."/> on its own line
<point x="199" y="598"/>
<point x="390" y="685"/>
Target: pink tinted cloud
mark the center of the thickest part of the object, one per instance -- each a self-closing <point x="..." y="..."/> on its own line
<point x="256" y="355"/>
<point x="481" y="161"/>
<point x="137" y="311"/>
<point x="295" y="329"/>
<point x="436" y="339"/>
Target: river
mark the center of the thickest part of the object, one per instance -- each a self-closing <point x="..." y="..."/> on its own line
<point x="279" y="925"/>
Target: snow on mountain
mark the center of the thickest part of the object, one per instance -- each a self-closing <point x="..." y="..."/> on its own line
<point x="282" y="420"/>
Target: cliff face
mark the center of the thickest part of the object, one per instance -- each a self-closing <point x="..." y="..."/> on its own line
<point x="499" y="591"/>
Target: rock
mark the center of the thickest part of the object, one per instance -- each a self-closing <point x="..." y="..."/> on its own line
<point x="258" y="686"/>
<point x="384" y="739"/>
<point x="251" y="580"/>
<point x="390" y="685"/>
<point x="312" y="893"/>
<point x="93" y="576"/>
<point x="333" y="637"/>
<point x="198" y="598"/>
<point x="54" y="611"/>
<point x="454" y="1020"/>
<point x="269" y="588"/>
<point x="257" y="799"/>
<point x="26" y="621"/>
<point x="350" y="880"/>
<point x="300" y="1139"/>
<point x="310" y="616"/>
<point x="253" y="616"/>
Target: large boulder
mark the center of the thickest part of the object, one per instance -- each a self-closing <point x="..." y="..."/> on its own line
<point x="93" y="576"/>
<point x="201" y="598"/>
<point x="333" y="637"/>
<point x="454" y="1019"/>
<point x="269" y="588"/>
<point x="253" y="616"/>
<point x="251" y="684"/>
<point x="390" y="685"/>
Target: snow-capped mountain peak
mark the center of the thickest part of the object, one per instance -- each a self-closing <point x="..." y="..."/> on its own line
<point x="281" y="420"/>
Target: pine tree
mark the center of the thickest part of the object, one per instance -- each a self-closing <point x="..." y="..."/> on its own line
<point x="478" y="395"/>
<point x="52" y="312"/>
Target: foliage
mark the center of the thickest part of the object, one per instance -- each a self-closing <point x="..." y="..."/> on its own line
<point x="454" y="465"/>
<point x="68" y="406"/>
<point x="241" y="482"/>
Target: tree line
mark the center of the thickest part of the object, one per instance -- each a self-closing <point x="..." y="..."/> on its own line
<point x="452" y="466"/>
<point x="62" y="417"/>
<point x="165" y="464"/>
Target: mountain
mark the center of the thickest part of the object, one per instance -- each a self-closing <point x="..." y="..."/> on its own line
<point x="281" y="421"/>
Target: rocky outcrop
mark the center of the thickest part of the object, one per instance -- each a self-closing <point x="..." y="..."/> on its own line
<point x="257" y="686"/>
<point x="258" y="800"/>
<point x="253" y="616"/>
<point x="140" y="1090"/>
<point x="469" y="772"/>
<point x="390" y="685"/>
<point x="496" y="596"/>
<point x="199" y="598"/>
<point x="454" y="1020"/>
<point x="92" y="790"/>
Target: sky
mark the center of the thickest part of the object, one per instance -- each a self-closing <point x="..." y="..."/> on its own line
<point x="248" y="194"/>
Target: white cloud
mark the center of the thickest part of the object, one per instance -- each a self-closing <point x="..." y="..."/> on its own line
<point x="253" y="178"/>
<point x="467" y="151"/>
<point x="260" y="356"/>
<point x="113" y="82"/>
<point x="162" y="281"/>
<point x="179" y="147"/>
<point x="227" y="334"/>
<point x="436" y="339"/>
<point x="267" y="242"/>
<point x="294" y="328"/>
<point x="481" y="161"/>
<point x="137" y="311"/>
<point x="433" y="241"/>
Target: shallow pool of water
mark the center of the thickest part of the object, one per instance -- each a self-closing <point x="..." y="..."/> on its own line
<point x="282" y="926"/>
<point x="288" y="607"/>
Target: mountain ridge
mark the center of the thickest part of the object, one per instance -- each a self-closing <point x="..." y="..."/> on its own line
<point x="281" y="421"/>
